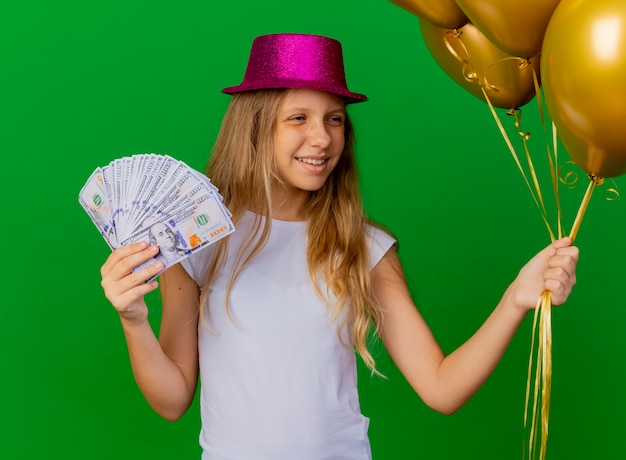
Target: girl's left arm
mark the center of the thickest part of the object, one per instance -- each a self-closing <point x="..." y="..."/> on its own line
<point x="445" y="383"/>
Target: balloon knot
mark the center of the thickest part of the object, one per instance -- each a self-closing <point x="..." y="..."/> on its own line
<point x="597" y="180"/>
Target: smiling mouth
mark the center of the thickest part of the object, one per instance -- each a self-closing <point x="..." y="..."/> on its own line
<point x="311" y="161"/>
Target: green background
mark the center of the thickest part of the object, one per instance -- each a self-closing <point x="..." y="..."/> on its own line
<point x="82" y="83"/>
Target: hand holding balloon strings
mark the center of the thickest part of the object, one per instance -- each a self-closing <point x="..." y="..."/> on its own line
<point x="495" y="49"/>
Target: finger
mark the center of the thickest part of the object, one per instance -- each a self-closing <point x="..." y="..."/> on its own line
<point x="560" y="274"/>
<point x="567" y="262"/>
<point x="125" y="264"/>
<point x="115" y="286"/>
<point x="559" y="292"/>
<point x="567" y="268"/>
<point x="120" y="253"/>
<point x="560" y="283"/>
<point x="567" y="258"/>
<point x="571" y="251"/>
<point x="139" y="277"/>
<point x="562" y="243"/>
<point x="555" y="246"/>
<point x="124" y="292"/>
<point x="125" y="299"/>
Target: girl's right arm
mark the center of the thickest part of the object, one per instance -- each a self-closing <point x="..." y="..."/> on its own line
<point x="166" y="369"/>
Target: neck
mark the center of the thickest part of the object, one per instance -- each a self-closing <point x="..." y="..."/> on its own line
<point x="287" y="205"/>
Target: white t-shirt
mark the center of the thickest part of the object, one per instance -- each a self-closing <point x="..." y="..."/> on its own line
<point x="276" y="381"/>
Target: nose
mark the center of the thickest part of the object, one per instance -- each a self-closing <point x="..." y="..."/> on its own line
<point x="319" y="135"/>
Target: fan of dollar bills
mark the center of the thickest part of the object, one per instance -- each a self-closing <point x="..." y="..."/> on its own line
<point x="157" y="199"/>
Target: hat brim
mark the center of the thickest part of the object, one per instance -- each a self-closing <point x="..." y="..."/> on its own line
<point x="349" y="96"/>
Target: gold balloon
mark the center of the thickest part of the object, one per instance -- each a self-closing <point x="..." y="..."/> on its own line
<point x="442" y="13"/>
<point x="583" y="68"/>
<point x="515" y="26"/>
<point x="473" y="62"/>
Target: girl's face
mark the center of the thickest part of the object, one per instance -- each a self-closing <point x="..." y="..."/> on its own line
<point x="309" y="138"/>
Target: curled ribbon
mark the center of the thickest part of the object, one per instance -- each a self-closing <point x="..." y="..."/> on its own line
<point x="611" y="193"/>
<point x="570" y="178"/>
<point x="466" y="66"/>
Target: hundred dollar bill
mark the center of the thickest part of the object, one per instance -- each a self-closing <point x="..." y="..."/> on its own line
<point x="93" y="197"/>
<point x="187" y="230"/>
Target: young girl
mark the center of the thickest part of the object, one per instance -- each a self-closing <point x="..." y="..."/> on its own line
<point x="272" y="314"/>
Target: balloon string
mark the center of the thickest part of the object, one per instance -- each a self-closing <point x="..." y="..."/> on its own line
<point x="593" y="181"/>
<point x="535" y="194"/>
<point x="545" y="329"/>
<point x="553" y="159"/>
<point x="517" y="113"/>
<point x="554" y="174"/>
<point x="542" y="382"/>
<point x="532" y="438"/>
<point x="542" y="327"/>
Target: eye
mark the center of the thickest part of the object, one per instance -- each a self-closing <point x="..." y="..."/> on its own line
<point x="336" y="119"/>
<point x="297" y="118"/>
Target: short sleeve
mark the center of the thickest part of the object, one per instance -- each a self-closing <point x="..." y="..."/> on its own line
<point x="378" y="243"/>
<point x="197" y="264"/>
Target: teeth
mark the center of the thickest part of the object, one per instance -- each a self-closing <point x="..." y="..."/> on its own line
<point x="312" y="161"/>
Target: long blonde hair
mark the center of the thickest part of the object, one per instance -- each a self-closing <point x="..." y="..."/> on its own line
<point x="242" y="167"/>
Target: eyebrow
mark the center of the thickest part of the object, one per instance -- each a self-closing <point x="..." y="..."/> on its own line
<point x="304" y="110"/>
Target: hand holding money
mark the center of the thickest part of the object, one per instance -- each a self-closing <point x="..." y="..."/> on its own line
<point x="126" y="290"/>
<point x="157" y="200"/>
